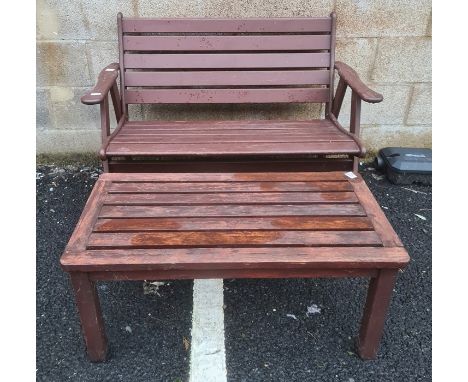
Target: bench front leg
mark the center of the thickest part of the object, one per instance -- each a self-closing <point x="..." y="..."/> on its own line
<point x="378" y="300"/>
<point x="89" y="309"/>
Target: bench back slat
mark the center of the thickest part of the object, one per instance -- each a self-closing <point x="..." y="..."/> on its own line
<point x="226" y="60"/>
<point x="228" y="78"/>
<point x="226" y="95"/>
<point x="222" y="43"/>
<point x="220" y="25"/>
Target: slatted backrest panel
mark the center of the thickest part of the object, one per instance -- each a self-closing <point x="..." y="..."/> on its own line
<point x="226" y="60"/>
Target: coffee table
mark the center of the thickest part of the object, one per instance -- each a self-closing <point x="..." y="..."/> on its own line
<point x="163" y="226"/>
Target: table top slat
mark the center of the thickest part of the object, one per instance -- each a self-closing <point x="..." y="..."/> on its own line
<point x="298" y="223"/>
<point x="209" y="198"/>
<point x="232" y="210"/>
<point x="241" y="238"/>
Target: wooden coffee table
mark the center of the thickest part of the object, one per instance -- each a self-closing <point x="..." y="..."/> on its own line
<point x="232" y="225"/>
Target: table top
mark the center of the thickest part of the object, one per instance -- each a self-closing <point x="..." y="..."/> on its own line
<point x="216" y="221"/>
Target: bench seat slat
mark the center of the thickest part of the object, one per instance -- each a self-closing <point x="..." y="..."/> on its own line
<point x="202" y="139"/>
<point x="227" y="134"/>
<point x="234" y="124"/>
<point x="224" y="149"/>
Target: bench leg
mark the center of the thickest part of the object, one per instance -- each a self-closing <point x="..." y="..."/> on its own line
<point x="92" y="324"/>
<point x="105" y="165"/>
<point x="356" y="165"/>
<point x="375" y="311"/>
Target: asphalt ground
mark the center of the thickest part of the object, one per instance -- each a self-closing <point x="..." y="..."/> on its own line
<point x="268" y="334"/>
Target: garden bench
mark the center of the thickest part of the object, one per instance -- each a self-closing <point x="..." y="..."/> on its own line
<point x="161" y="226"/>
<point x="236" y="61"/>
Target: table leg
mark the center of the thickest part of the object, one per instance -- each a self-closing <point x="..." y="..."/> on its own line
<point x="92" y="324"/>
<point x="373" y="320"/>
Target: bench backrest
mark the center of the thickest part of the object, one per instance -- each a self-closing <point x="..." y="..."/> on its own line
<point x="226" y="60"/>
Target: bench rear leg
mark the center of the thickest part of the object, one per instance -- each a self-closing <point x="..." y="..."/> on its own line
<point x="375" y="311"/>
<point x="105" y="165"/>
<point x="92" y="324"/>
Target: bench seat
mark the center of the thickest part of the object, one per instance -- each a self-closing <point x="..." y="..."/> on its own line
<point x="225" y="138"/>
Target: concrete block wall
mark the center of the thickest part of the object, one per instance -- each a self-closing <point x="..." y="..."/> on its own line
<point x="388" y="42"/>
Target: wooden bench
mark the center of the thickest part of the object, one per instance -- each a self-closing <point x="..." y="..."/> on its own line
<point x="238" y="61"/>
<point x="162" y="226"/>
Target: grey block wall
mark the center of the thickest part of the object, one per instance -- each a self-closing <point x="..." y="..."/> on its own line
<point x="388" y="42"/>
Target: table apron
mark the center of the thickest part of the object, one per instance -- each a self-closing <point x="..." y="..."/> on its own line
<point x="229" y="274"/>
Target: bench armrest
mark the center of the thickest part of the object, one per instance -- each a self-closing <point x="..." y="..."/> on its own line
<point x="354" y="82"/>
<point x="106" y="80"/>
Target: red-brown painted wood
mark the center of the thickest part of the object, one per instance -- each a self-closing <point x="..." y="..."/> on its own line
<point x="89" y="309"/>
<point x="262" y="273"/>
<point x="105" y="81"/>
<point x="122" y="67"/>
<point x="223" y="60"/>
<point x="284" y="177"/>
<point x="299" y="223"/>
<point x="224" y="149"/>
<point x="277" y="60"/>
<point x="339" y="97"/>
<point x="225" y="187"/>
<point x="231" y="165"/>
<point x="373" y="210"/>
<point x="225" y="225"/>
<point x="375" y="311"/>
<point x="299" y="95"/>
<point x="329" y="103"/>
<point x="306" y="258"/>
<point x="206" y="198"/>
<point x="226" y="43"/>
<point x="220" y="25"/>
<point x="354" y="82"/>
<point x="238" y="124"/>
<point x="227" y="239"/>
<point x="228" y="78"/>
<point x="234" y="210"/>
<point x="273" y="218"/>
<point x="232" y="138"/>
<point x="229" y="138"/>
